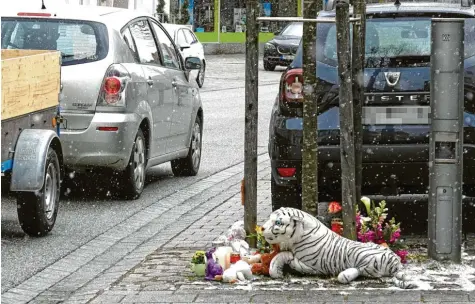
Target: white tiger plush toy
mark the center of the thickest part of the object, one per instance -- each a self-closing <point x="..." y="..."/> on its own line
<point x="309" y="247"/>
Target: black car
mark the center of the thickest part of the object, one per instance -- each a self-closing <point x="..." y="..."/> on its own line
<point x="395" y="154"/>
<point x="281" y="50"/>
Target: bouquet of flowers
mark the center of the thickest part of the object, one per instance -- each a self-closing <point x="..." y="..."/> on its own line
<point x="262" y="245"/>
<point x="373" y="227"/>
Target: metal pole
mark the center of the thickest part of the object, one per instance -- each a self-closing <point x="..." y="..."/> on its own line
<point x="310" y="143"/>
<point x="250" y="130"/>
<point x="446" y="139"/>
<point x="358" y="59"/>
<point x="347" y="144"/>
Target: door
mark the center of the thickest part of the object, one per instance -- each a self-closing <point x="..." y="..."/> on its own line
<point x="183" y="92"/>
<point x="160" y="95"/>
<point x="196" y="48"/>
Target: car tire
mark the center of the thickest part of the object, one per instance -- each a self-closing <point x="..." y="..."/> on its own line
<point x="285" y="196"/>
<point x="200" y="79"/>
<point x="269" y="66"/>
<point x="37" y="211"/>
<point x="190" y="165"/>
<point x="134" y="174"/>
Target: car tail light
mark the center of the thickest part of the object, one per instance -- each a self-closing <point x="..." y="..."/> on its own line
<point x="113" y="86"/>
<point x="109" y="129"/>
<point x="292" y="87"/>
<point x="286" y="172"/>
<point x="22" y="14"/>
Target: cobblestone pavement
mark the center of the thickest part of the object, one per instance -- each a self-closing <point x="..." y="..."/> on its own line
<point x="145" y="259"/>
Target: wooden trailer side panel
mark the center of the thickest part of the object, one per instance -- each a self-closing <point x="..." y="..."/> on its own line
<point x="30" y="81"/>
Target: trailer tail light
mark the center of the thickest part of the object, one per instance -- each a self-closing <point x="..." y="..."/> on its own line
<point x="114" y="86"/>
<point x="286" y="172"/>
<point x="292" y="87"/>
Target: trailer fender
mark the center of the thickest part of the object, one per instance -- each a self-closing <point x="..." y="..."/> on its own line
<point x="29" y="159"/>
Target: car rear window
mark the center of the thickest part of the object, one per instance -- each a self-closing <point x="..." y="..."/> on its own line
<point x="78" y="41"/>
<point x="469" y="37"/>
<point x="402" y="41"/>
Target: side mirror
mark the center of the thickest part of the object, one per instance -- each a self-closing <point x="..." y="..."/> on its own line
<point x="277" y="33"/>
<point x="184" y="45"/>
<point x="192" y="63"/>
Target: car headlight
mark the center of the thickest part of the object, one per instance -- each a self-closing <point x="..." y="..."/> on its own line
<point x="269" y="46"/>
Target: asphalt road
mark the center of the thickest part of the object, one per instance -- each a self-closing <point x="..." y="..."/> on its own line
<point x="91" y="208"/>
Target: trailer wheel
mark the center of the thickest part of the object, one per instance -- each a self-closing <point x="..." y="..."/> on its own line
<point x="37" y="211"/>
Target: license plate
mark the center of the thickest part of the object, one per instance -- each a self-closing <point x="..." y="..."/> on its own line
<point x="398" y="115"/>
<point x="287" y="57"/>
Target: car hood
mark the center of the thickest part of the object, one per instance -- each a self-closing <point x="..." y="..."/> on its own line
<point x="286" y="40"/>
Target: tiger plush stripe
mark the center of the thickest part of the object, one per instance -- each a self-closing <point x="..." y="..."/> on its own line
<point x="309" y="247"/>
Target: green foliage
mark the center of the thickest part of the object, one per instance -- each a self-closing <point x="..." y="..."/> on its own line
<point x="160" y="11"/>
<point x="198" y="257"/>
<point x="185" y="15"/>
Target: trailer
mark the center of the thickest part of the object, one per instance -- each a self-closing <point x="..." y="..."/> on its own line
<point x="32" y="157"/>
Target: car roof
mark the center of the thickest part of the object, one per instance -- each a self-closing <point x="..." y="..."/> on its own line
<point x="174" y="27"/>
<point x="113" y="17"/>
<point x="412" y="8"/>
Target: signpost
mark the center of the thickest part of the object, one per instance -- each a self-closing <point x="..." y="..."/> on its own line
<point x="446" y="139"/>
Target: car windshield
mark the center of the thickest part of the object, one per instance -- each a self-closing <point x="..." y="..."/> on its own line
<point x="402" y="41"/>
<point x="293" y="29"/>
<point x="78" y="41"/>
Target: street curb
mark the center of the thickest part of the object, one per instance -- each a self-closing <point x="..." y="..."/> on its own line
<point x="122" y="246"/>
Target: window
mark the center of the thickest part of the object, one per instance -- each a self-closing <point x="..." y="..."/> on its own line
<point x="469" y="37"/>
<point x="385" y="39"/>
<point x="293" y="29"/>
<point x="181" y="38"/>
<point x="78" y="41"/>
<point x="170" y="57"/>
<point x="190" y="37"/>
<point x="146" y="47"/>
<point x="130" y="43"/>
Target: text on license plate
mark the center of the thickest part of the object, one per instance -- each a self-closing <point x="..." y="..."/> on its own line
<point x="287" y="57"/>
<point x="397" y="115"/>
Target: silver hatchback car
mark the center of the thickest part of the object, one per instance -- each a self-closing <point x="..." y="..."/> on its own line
<point x="126" y="97"/>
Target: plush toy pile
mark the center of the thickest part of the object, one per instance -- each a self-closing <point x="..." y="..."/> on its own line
<point x="249" y="264"/>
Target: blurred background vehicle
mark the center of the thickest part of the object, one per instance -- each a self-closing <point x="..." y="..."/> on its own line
<point x="189" y="46"/>
<point x="282" y="48"/>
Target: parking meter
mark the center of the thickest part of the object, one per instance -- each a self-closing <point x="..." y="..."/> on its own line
<point x="446" y="139"/>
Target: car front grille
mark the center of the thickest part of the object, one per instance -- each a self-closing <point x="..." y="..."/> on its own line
<point x="284" y="49"/>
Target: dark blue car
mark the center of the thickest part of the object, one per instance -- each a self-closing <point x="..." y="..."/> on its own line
<point x="395" y="109"/>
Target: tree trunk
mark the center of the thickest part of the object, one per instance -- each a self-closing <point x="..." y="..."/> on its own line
<point x="250" y="130"/>
<point x="347" y="145"/>
<point x="358" y="58"/>
<point x="310" y="140"/>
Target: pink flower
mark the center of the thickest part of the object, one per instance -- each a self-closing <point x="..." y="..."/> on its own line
<point x="395" y="236"/>
<point x="402" y="254"/>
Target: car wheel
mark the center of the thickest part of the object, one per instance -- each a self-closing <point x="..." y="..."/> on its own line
<point x="190" y="165"/>
<point x="200" y="79"/>
<point x="134" y="174"/>
<point x="285" y="196"/>
<point x="37" y="211"/>
<point x="269" y="66"/>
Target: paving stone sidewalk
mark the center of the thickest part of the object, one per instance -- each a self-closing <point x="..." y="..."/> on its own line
<point x="145" y="259"/>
